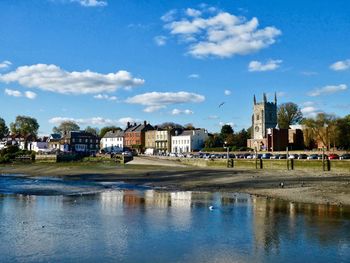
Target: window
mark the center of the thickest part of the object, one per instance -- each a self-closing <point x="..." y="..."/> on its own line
<point x="257" y="117"/>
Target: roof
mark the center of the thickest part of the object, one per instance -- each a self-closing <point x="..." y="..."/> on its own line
<point x="114" y="134"/>
<point x="139" y="128"/>
<point x="55" y="136"/>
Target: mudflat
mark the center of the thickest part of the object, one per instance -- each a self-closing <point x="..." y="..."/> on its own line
<point x="297" y="186"/>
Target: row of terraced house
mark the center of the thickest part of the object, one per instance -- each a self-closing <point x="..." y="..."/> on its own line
<point x="145" y="138"/>
<point x="138" y="137"/>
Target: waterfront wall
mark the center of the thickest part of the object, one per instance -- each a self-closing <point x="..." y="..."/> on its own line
<point x="315" y="165"/>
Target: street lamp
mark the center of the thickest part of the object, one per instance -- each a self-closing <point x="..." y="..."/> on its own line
<point x="227" y="149"/>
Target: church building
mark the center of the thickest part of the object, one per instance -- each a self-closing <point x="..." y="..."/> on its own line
<point x="266" y="136"/>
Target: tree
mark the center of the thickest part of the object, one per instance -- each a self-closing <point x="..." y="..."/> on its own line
<point x="66" y="126"/>
<point x="213" y="141"/>
<point x="343" y="125"/>
<point x="288" y="114"/>
<point x="322" y="128"/>
<point x="3" y="128"/>
<point x="106" y="129"/>
<point x="189" y="126"/>
<point x="25" y="126"/>
<point x="240" y="138"/>
<point x="170" y="125"/>
<point x="226" y="130"/>
<point x="94" y="131"/>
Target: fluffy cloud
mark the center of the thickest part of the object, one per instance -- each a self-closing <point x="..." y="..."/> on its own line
<point x="97" y="121"/>
<point x="340" y="65"/>
<point x="105" y="97"/>
<point x="5" y="64"/>
<point x="16" y="93"/>
<point x="90" y="3"/>
<point x="227" y="92"/>
<point x="53" y="78"/>
<point x="169" y="16"/>
<point x="30" y="95"/>
<point x="160" y="40"/>
<point x="221" y="34"/>
<point x="158" y="100"/>
<point x="328" y="90"/>
<point x="193" y="12"/>
<point x="178" y="112"/>
<point x="268" y="66"/>
<point x="193" y="76"/>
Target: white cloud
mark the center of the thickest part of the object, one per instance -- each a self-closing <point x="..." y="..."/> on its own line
<point x="14" y="93"/>
<point x="97" y="121"/>
<point x="222" y="34"/>
<point x="193" y="12"/>
<point x="154" y="108"/>
<point x="53" y="78"/>
<point x="213" y="117"/>
<point x="160" y="40"/>
<point x="328" y="90"/>
<point x="105" y="97"/>
<point x="193" y="76"/>
<point x="169" y="16"/>
<point x="159" y="100"/>
<point x="178" y="112"/>
<point x="227" y="92"/>
<point x="340" y="65"/>
<point x="30" y="95"/>
<point x="268" y="66"/>
<point x="90" y="3"/>
<point x="5" y="64"/>
<point x="310" y="111"/>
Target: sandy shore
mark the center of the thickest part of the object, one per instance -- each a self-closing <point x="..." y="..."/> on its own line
<point x="299" y="186"/>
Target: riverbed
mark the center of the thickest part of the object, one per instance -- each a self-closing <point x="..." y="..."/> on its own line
<point x="62" y="220"/>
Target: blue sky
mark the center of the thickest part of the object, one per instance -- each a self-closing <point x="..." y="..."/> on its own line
<point x="106" y="62"/>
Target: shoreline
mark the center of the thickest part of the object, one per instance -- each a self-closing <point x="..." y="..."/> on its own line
<point x="299" y="186"/>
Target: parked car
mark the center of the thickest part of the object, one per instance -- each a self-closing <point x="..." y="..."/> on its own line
<point x="345" y="156"/>
<point x="325" y="156"/>
<point x="282" y="156"/>
<point x="302" y="156"/>
<point x="276" y="156"/>
<point x="312" y="157"/>
<point x="333" y="156"/>
<point x="293" y="156"/>
<point x="266" y="156"/>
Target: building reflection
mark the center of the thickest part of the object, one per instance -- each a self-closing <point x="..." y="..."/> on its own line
<point x="276" y="220"/>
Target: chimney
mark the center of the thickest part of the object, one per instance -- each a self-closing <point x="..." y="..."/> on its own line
<point x="145" y="123"/>
<point x="128" y="124"/>
<point x="135" y="124"/>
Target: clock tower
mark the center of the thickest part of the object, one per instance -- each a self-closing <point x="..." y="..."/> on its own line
<point x="264" y="117"/>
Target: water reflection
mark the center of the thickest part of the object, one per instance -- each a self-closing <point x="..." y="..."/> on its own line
<point x="144" y="225"/>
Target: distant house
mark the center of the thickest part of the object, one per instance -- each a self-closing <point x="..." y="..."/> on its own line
<point x="163" y="139"/>
<point x="79" y="142"/>
<point x="189" y="141"/>
<point x="150" y="142"/>
<point x="54" y="142"/>
<point x="113" y="141"/>
<point x="134" y="135"/>
<point x="39" y="145"/>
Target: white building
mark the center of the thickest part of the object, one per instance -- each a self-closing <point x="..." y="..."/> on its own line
<point x="189" y="141"/>
<point x="113" y="141"/>
<point x="38" y="146"/>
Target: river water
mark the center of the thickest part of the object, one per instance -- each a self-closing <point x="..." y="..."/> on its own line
<point x="57" y="220"/>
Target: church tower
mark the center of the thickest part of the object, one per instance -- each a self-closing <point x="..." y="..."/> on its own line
<point x="264" y="117"/>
